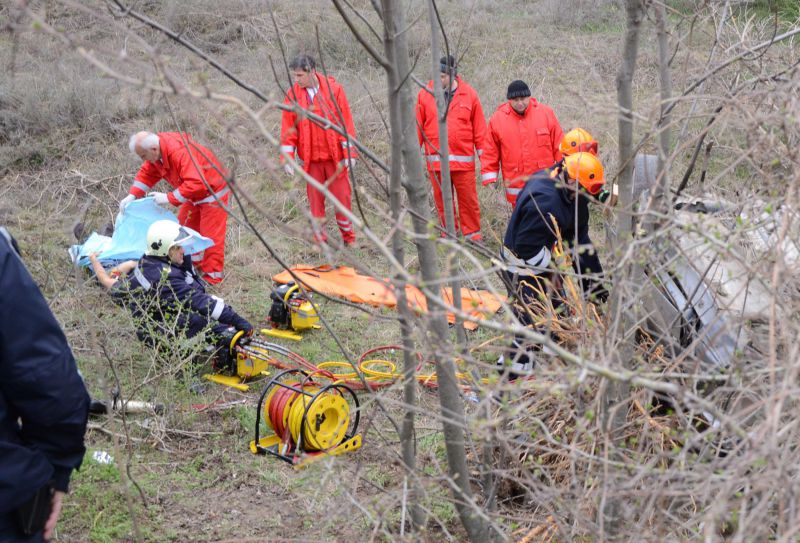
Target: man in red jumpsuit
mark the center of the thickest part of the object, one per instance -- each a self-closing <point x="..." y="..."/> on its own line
<point x="466" y="133"/>
<point x="524" y="137"/>
<point x="324" y="154"/>
<point x="200" y="189"/>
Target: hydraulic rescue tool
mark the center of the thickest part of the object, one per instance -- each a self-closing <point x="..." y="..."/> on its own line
<point x="291" y="311"/>
<point x="118" y="405"/>
<point x="309" y="420"/>
<point x="243" y="359"/>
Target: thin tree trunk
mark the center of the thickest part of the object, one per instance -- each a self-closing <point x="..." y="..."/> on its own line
<point x="444" y="162"/>
<point x="664" y="130"/>
<point x="614" y="403"/>
<point x="442" y="110"/>
<point x="408" y="442"/>
<point x="452" y="409"/>
<point x="723" y="18"/>
<point x="441" y="117"/>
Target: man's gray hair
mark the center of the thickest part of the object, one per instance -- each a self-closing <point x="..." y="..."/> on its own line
<point x="145" y="140"/>
<point x="303" y="62"/>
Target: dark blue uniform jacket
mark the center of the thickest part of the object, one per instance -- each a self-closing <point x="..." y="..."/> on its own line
<point x="43" y="401"/>
<point x="530" y="235"/>
<point x="167" y="300"/>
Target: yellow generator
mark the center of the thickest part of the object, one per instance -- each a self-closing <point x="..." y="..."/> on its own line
<point x="291" y="311"/>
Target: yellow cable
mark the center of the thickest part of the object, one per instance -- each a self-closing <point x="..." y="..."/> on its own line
<point x="366" y="367"/>
<point x="371" y="374"/>
<point x="339" y="364"/>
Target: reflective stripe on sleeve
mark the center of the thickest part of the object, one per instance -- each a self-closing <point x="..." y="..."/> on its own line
<point x="214" y="197"/>
<point x="520" y="366"/>
<point x="215" y="275"/>
<point x="541" y="259"/>
<point x="178" y="196"/>
<point x="137" y="273"/>
<point x="517" y="265"/>
<point x="219" y="306"/>
<point x="489" y="176"/>
<point x="288" y="148"/>
<point x="141" y="186"/>
<point x="513" y="192"/>
<point x="514" y="366"/>
<point x="451" y="158"/>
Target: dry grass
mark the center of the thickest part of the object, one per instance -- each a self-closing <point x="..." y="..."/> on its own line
<point x="63" y="135"/>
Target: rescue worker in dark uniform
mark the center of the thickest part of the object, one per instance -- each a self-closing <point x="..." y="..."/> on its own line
<point x="552" y="197"/>
<point x="168" y="298"/>
<point x="43" y="406"/>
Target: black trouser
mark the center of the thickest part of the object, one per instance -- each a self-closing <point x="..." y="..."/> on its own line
<point x="530" y="295"/>
<point x="217" y="343"/>
<point x="9" y="533"/>
<point x="219" y="339"/>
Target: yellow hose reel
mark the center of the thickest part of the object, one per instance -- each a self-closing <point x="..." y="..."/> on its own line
<point x="309" y="420"/>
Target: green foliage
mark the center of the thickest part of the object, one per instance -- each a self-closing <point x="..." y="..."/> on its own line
<point x="378" y="476"/>
<point x="58" y="118"/>
<point x="434" y="445"/>
<point x="246" y="415"/>
<point x="787" y="11"/>
<point x="440" y="505"/>
<point x="606" y="18"/>
<point x="104" y="510"/>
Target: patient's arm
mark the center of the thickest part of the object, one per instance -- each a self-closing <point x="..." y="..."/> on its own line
<point x="125" y="268"/>
<point x="108" y="278"/>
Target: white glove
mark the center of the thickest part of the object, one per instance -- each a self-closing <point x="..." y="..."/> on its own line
<point x="125" y="201"/>
<point x="288" y="169"/>
<point x="160" y="198"/>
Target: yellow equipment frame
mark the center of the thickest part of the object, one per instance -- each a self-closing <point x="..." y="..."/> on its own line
<point x="284" y="448"/>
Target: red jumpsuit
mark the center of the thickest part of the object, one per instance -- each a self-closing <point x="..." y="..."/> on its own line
<point x="521" y="145"/>
<point x="466" y="132"/>
<point x="185" y="165"/>
<point x="323" y="153"/>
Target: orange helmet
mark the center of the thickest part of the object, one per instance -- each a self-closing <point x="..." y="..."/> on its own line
<point x="587" y="169"/>
<point x="577" y="140"/>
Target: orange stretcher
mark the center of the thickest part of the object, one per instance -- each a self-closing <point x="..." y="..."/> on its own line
<point x="345" y="282"/>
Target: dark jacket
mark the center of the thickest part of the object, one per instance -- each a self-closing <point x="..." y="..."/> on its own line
<point x="531" y="234"/>
<point x="167" y="300"/>
<point x="43" y="401"/>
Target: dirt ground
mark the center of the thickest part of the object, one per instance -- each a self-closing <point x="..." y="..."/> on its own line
<point x="187" y="475"/>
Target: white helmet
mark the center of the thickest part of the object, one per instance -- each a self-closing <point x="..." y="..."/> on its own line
<point x="163" y="235"/>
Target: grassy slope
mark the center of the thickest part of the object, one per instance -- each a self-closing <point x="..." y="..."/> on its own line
<point x="66" y="129"/>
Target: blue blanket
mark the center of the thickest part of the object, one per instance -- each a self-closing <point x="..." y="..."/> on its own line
<point x="130" y="236"/>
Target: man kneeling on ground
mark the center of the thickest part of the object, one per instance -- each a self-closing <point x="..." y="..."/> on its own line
<point x="167" y="296"/>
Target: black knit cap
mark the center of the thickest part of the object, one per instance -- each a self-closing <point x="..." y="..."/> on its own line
<point x="447" y="63"/>
<point x="518" y="89"/>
